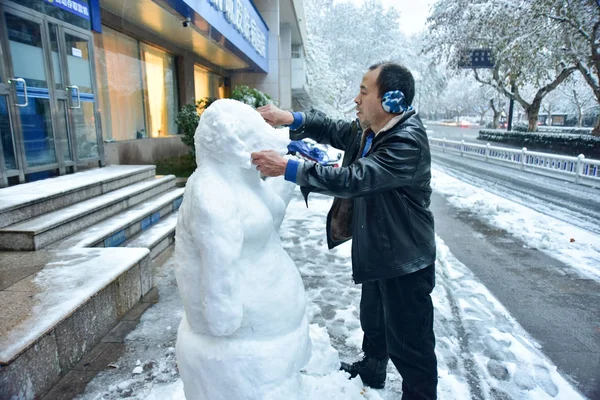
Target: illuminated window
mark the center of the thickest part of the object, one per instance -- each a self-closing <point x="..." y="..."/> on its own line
<point x="137" y="87"/>
<point x="207" y="84"/>
<point x="161" y="99"/>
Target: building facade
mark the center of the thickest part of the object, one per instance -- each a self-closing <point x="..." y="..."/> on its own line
<point x="88" y="82"/>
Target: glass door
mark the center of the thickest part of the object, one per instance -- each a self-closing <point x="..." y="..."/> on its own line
<point x="61" y="116"/>
<point x="79" y="85"/>
<point x="26" y="60"/>
<point x="9" y="165"/>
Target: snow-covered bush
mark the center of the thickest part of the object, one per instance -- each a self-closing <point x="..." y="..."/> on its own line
<point x="558" y="143"/>
<point x="573" y="130"/>
<point x="252" y="97"/>
<point x="189" y="115"/>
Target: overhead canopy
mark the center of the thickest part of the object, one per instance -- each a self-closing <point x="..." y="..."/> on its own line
<point x="199" y="37"/>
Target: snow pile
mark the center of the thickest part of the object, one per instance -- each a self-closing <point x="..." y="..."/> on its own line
<point x="482" y="351"/>
<point x="573" y="246"/>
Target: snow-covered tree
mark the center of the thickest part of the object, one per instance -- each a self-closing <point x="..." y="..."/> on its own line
<point x="527" y="46"/>
<point x="497" y="105"/>
<point x="579" y="21"/>
<point x="580" y="96"/>
<point x="431" y="79"/>
<point x="344" y="39"/>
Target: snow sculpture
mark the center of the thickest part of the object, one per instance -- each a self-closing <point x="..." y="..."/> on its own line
<point x="245" y="333"/>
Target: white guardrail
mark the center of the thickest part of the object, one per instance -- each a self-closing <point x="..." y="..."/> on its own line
<point x="579" y="169"/>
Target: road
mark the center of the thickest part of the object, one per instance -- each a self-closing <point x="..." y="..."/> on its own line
<point x="452" y="133"/>
<point x="558" y="307"/>
<point x="469" y="134"/>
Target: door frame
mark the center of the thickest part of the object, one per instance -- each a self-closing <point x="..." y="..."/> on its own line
<point x="86" y="35"/>
<point x="16" y="129"/>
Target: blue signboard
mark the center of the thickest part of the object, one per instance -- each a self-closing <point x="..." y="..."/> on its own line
<point x="476" y="58"/>
<point x="240" y="23"/>
<point x="72" y="6"/>
<point x="177" y="203"/>
<point x="116" y="239"/>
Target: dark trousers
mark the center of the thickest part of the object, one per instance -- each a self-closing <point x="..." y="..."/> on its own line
<point x="396" y="316"/>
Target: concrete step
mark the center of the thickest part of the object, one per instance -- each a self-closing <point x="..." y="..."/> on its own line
<point x="41" y="231"/>
<point x="29" y="200"/>
<point x="57" y="305"/>
<point x="158" y="238"/>
<point x="124" y="226"/>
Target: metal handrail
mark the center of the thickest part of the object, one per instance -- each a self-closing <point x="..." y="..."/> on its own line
<point x="582" y="170"/>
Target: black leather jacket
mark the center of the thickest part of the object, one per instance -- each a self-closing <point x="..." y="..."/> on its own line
<point x="381" y="200"/>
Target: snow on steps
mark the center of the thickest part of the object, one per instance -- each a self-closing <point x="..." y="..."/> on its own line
<point x="158" y="238"/>
<point x="146" y="218"/>
<point x="56" y="305"/>
<point x="61" y="301"/>
<point x="29" y="200"/>
<point x="45" y="229"/>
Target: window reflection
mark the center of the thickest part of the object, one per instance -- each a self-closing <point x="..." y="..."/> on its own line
<point x="159" y="71"/>
<point x="207" y="84"/>
<point x="137" y="87"/>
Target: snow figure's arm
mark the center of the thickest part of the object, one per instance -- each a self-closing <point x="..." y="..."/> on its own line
<point x="322" y="129"/>
<point x="213" y="232"/>
<point x="282" y="188"/>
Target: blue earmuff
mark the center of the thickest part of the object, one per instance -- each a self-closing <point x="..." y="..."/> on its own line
<point x="394" y="102"/>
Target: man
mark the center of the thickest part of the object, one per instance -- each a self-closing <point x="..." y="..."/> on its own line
<point x="382" y="195"/>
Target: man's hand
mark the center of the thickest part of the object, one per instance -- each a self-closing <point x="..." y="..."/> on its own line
<point x="275" y="116"/>
<point x="269" y="163"/>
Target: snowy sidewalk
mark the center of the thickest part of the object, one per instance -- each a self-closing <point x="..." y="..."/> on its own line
<point x="483" y="352"/>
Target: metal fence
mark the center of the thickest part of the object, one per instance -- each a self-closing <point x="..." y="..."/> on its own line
<point x="578" y="169"/>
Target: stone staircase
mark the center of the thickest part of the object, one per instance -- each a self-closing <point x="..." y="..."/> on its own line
<point x="75" y="257"/>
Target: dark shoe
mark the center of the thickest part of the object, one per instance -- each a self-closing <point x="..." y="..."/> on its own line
<point x="370" y="369"/>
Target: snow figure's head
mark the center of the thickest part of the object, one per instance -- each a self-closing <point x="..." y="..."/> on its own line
<point x="230" y="130"/>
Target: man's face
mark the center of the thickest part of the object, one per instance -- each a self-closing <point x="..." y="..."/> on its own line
<point x="368" y="102"/>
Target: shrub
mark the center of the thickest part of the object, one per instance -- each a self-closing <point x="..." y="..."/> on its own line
<point x="520" y="127"/>
<point x="250" y="96"/>
<point x="187" y="120"/>
<point x="189" y="115"/>
<point x="180" y="166"/>
<point x="558" y="143"/>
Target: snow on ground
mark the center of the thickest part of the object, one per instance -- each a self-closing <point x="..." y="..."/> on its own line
<point x="483" y="353"/>
<point x="574" y="246"/>
<point x="569" y="202"/>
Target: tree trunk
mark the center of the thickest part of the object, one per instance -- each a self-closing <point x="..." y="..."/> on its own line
<point x="533" y="112"/>
<point x="579" y="116"/>
<point x="532" y="118"/>
<point x="496" y="119"/>
<point x="596" y="130"/>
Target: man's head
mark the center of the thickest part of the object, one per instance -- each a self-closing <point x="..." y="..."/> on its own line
<point x="380" y="79"/>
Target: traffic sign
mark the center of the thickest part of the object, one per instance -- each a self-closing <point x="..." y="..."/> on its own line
<point x="476" y="58"/>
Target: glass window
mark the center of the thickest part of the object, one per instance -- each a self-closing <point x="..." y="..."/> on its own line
<point x="207" y="84"/>
<point x="296" y="51"/>
<point x="120" y="88"/>
<point x="161" y="98"/>
<point x="136" y="86"/>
